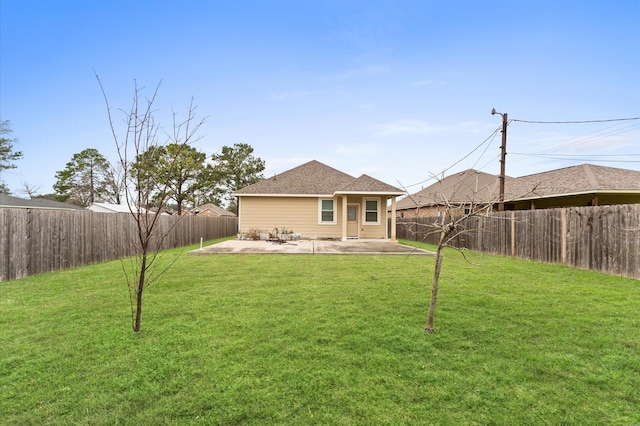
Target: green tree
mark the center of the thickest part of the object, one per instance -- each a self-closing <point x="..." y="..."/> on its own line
<point x="7" y="154"/>
<point x="236" y="167"/>
<point x="85" y="179"/>
<point x="176" y="168"/>
<point x="208" y="189"/>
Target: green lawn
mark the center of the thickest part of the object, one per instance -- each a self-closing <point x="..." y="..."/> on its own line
<point x="302" y="339"/>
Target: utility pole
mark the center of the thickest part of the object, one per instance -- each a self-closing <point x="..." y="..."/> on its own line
<point x="503" y="157"/>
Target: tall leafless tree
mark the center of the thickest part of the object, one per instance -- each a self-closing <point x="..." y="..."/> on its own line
<point x="140" y="134"/>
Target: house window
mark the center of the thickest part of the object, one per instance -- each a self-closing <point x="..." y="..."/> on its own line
<point x="327" y="211"/>
<point x="372" y="211"/>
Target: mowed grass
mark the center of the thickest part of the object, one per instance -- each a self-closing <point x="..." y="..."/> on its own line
<point x="303" y="339"/>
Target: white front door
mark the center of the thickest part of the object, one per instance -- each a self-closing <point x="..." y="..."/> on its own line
<point x="353" y="224"/>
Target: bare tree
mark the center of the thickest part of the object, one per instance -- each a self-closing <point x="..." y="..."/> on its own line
<point x="141" y="134"/>
<point x="448" y="225"/>
<point x="30" y="190"/>
<point x="114" y="184"/>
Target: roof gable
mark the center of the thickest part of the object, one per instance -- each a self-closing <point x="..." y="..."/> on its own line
<point x="366" y="184"/>
<point x="211" y="207"/>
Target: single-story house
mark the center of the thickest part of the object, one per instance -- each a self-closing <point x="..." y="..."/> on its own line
<point x="8" y="201"/>
<point x="210" y="210"/>
<point x="581" y="185"/>
<point x="317" y="201"/>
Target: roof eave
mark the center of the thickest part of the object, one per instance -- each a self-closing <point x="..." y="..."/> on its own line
<point x="389" y="193"/>
<point x="281" y="195"/>
<point x="40" y="208"/>
<point x="573" y="194"/>
<point x="396" y="193"/>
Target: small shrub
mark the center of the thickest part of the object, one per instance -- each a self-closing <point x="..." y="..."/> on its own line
<point x="253" y="234"/>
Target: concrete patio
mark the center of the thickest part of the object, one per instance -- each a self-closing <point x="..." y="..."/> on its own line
<point x="371" y="247"/>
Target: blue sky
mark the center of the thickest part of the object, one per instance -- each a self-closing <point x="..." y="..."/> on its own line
<point x="399" y="90"/>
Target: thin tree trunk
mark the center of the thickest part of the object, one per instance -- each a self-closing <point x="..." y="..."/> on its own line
<point x="436" y="279"/>
<point x="139" y="290"/>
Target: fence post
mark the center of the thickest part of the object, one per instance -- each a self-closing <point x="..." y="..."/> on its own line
<point x="513" y="234"/>
<point x="563" y="231"/>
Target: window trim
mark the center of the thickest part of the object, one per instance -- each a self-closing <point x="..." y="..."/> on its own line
<point x="334" y="212"/>
<point x="378" y="211"/>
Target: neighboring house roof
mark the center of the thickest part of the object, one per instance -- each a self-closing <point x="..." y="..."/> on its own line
<point x="110" y="208"/>
<point x="584" y="178"/>
<point x="474" y="186"/>
<point x="212" y="208"/>
<point x="35" y="203"/>
<point x="460" y="188"/>
<point x="316" y="179"/>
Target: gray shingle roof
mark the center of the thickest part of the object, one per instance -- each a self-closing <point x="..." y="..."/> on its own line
<point x="459" y="188"/>
<point x="316" y="178"/>
<point x="366" y="183"/>
<point x="35" y="203"/>
<point x="471" y="185"/>
<point x="572" y="180"/>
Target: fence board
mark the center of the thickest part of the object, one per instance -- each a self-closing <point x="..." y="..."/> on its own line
<point x="33" y="241"/>
<point x="604" y="238"/>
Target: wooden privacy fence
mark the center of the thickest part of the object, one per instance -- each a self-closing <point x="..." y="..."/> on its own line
<point x="605" y="238"/>
<point x="33" y="241"/>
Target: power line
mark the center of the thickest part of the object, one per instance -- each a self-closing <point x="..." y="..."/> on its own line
<point x="488" y="139"/>
<point x="491" y="137"/>
<point x="576" y="122"/>
<point x="581" y="157"/>
<point x="573" y="155"/>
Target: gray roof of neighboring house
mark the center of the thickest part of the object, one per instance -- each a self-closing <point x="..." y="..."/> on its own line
<point x="584" y="178"/>
<point x="35" y="203"/>
<point x="471" y="185"/>
<point x="459" y="188"/>
<point x="316" y="178"/>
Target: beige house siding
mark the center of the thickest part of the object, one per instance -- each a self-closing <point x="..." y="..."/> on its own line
<point x="368" y="230"/>
<point x="301" y="216"/>
<point x="297" y="214"/>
